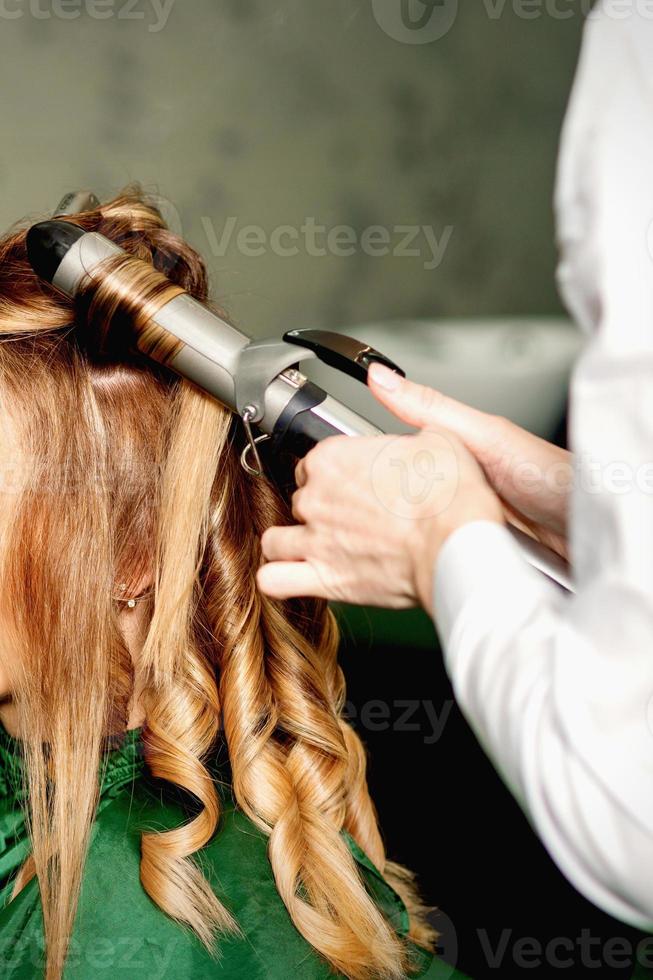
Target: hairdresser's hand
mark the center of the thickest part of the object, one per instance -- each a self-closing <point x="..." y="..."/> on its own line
<point x="374" y="513"/>
<point x="532" y="477"/>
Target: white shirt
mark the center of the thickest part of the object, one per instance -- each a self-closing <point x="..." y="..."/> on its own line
<point x="559" y="688"/>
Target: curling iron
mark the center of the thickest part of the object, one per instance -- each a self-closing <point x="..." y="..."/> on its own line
<point x="258" y="379"/>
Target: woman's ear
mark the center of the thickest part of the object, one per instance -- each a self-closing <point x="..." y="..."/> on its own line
<point x="131" y="594"/>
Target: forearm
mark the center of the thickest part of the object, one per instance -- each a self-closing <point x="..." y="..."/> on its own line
<point x="530" y="685"/>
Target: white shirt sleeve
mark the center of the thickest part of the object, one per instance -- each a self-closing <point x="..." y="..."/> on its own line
<point x="558" y="688"/>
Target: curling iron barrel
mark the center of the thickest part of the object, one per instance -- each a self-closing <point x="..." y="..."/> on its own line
<point x="258" y="379"/>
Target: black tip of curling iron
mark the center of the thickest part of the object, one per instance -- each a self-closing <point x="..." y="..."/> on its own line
<point x="47" y="244"/>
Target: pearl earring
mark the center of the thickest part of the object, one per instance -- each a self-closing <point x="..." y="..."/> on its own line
<point x="131" y="602"/>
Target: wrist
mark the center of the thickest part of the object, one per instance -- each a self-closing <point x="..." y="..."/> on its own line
<point x="429" y="537"/>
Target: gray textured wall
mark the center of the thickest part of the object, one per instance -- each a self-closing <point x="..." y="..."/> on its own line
<point x="270" y="114"/>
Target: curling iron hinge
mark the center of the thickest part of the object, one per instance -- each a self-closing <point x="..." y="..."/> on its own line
<point x="259" y="363"/>
<point x="263" y="360"/>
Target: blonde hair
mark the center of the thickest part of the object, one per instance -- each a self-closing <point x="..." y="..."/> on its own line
<point x="126" y="469"/>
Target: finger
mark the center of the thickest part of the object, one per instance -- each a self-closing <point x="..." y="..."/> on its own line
<point x="300" y="473"/>
<point x="285" y="580"/>
<point x="284" y="543"/>
<point x="422" y="406"/>
<point x="298" y="505"/>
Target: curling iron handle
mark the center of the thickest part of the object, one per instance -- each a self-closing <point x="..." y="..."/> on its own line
<point x="329" y="418"/>
<point x="348" y="355"/>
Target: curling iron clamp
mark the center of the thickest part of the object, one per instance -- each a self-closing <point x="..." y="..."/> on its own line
<point x="257" y="379"/>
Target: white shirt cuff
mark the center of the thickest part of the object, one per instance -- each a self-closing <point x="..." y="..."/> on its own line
<point x="480" y="566"/>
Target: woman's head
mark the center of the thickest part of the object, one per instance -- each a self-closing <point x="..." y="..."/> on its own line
<point x="83" y="447"/>
<point x="115" y="472"/>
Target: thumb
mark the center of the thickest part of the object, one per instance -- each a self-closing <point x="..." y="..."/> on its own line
<point x="422" y="406"/>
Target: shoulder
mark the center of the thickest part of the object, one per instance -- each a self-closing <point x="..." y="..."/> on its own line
<point x="235" y="862"/>
<point x="119" y="929"/>
<point x="604" y="194"/>
<point x="615" y="63"/>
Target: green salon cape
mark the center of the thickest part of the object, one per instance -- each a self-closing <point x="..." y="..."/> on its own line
<point x="120" y="932"/>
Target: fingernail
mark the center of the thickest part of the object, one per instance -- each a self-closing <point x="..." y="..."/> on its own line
<point x="384" y="377"/>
